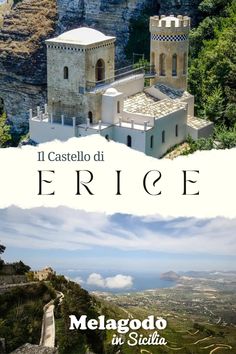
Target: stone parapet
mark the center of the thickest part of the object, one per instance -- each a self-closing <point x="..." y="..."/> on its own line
<point x="165" y="25"/>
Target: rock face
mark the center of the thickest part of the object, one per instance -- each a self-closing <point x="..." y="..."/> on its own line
<point x="18" y="97"/>
<point x="113" y="16"/>
<point x="23" y="56"/>
<point x="22" y="49"/>
<point x="109" y="16"/>
<point x="34" y="349"/>
<point x="183" y="7"/>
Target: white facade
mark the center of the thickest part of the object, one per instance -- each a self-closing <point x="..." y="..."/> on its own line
<point x="112" y="106"/>
<point x="90" y="97"/>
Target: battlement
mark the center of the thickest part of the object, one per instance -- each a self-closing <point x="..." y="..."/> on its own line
<point x="170" y="23"/>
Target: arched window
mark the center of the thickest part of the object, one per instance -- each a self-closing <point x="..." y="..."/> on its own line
<point x="151" y="142"/>
<point x="118" y="106"/>
<point x="162" y="64"/>
<point x="185" y="64"/>
<point x="66" y="73"/>
<point x="153" y="59"/>
<point x="176" y="130"/>
<point x="163" y="136"/>
<point x="90" y="117"/>
<point x="129" y="141"/>
<point x="100" y="70"/>
<point x="174" y="65"/>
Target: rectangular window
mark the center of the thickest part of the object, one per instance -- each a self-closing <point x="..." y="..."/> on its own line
<point x="163" y="136"/>
<point x="151" y="142"/>
<point x="118" y="107"/>
<point x="176" y="130"/>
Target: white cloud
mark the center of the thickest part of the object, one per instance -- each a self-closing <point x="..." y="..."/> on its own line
<point x="71" y="230"/>
<point x="119" y="281"/>
<point x="78" y="280"/>
<point x="96" y="279"/>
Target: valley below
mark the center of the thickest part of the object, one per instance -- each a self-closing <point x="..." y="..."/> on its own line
<point x="200" y="311"/>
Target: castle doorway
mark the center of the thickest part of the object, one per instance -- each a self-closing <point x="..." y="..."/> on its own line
<point x="100" y="70"/>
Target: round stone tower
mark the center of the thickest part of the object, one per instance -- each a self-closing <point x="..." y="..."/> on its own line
<point x="169" y="49"/>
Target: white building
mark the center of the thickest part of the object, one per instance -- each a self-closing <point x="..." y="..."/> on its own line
<point x="149" y="110"/>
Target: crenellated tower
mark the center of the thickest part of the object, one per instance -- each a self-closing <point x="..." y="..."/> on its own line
<point x="169" y="49"/>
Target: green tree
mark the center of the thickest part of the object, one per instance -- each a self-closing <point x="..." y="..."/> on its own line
<point x="30" y="276"/>
<point x="230" y="114"/>
<point x="212" y="72"/>
<point x="2" y="249"/>
<point x="20" y="268"/>
<point x="214" y="105"/>
<point x="139" y="36"/>
<point x="226" y="138"/>
<point x="213" y="7"/>
<point x="5" y="135"/>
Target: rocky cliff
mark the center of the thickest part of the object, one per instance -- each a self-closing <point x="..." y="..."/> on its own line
<point x="113" y="16"/>
<point x="23" y="56"/>
<point x="22" y="49"/>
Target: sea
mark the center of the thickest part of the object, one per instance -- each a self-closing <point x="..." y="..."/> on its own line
<point x="140" y="282"/>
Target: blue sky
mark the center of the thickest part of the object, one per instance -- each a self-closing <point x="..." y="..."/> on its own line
<point x="68" y="239"/>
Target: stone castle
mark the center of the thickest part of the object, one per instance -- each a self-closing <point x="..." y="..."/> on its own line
<point x="22" y="43"/>
<point x="146" y="108"/>
<point x="44" y="274"/>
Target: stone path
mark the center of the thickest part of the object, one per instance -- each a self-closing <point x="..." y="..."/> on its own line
<point x="48" y="325"/>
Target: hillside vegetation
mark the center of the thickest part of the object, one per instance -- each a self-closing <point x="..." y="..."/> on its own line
<point x="212" y="71"/>
<point x="78" y="301"/>
<point x="21" y="312"/>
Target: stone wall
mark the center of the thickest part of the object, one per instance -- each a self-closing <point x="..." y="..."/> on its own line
<point x="7" y="269"/>
<point x="12" y="279"/>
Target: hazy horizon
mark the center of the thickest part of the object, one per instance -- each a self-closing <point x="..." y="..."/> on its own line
<point x="93" y="243"/>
